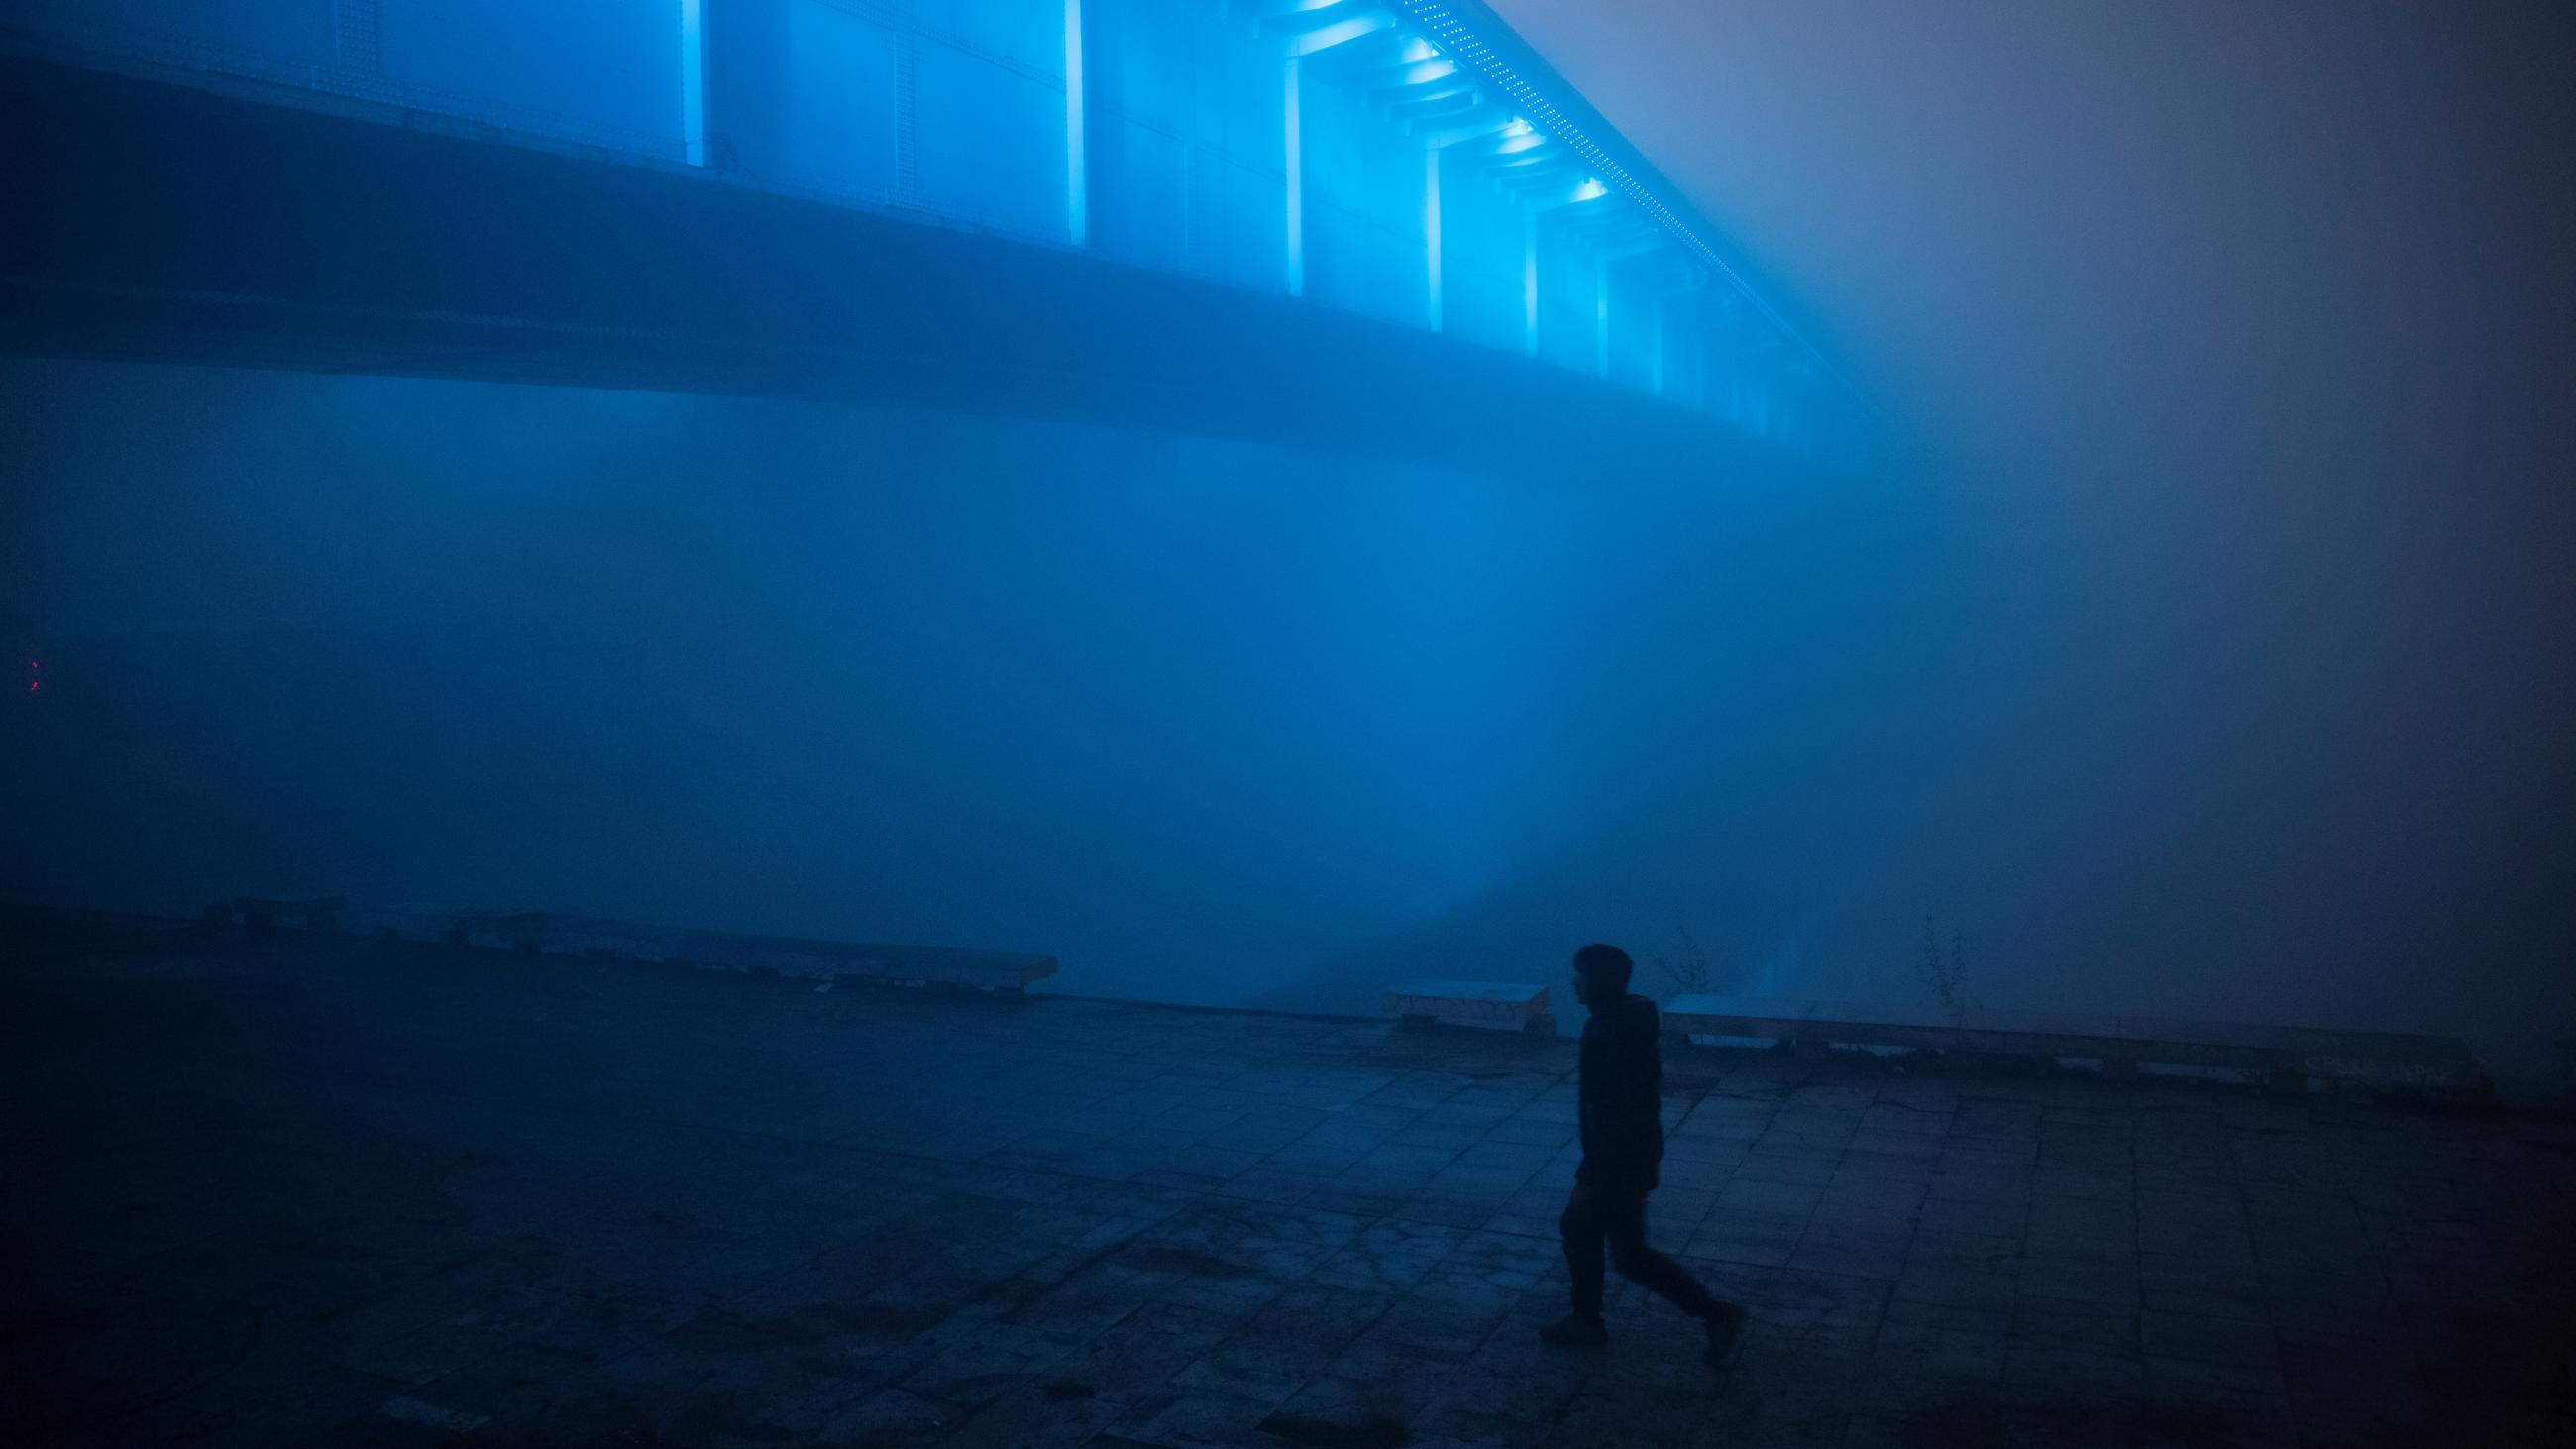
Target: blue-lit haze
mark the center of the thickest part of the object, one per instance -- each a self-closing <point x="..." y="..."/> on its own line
<point x="2174" y="603"/>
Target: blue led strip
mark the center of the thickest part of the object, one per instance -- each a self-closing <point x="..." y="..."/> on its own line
<point x="1449" y="26"/>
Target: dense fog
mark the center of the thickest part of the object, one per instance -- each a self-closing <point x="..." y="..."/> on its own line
<point x="2196" y="644"/>
<point x="1211" y="721"/>
<point x="2242" y="334"/>
<point x="1206" y="718"/>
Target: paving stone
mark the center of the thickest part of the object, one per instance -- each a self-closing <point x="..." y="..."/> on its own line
<point x="2042" y="1372"/>
<point x="1855" y="1252"/>
<point x="559" y="1203"/>
<point x="1748" y="1237"/>
<point x="1780" y="1395"/>
<point x="2060" y="1323"/>
<point x="2203" y="1339"/>
<point x="1957" y="1285"/>
<point x="1913" y="1390"/>
<point x="894" y="1418"/>
<point x="2105" y="1281"/>
<point x="1788" y="1165"/>
<point x="1942" y="1342"/>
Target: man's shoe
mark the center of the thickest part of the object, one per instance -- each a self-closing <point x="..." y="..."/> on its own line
<point x="1724" y="1326"/>
<point x="1575" y="1330"/>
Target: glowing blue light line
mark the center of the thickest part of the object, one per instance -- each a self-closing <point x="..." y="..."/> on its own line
<point x="1296" y="197"/>
<point x="1431" y="235"/>
<point x="693" y="84"/>
<point x="1456" y="38"/>
<point x="1077" y="183"/>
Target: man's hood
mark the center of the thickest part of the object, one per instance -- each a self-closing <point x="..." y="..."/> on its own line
<point x="1630" y="1016"/>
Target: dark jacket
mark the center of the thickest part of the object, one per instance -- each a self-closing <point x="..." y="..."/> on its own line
<point x="1622" y="1097"/>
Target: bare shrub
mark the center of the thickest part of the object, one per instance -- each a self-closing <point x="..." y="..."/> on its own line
<point x="1944" y="974"/>
<point x="1687" y="969"/>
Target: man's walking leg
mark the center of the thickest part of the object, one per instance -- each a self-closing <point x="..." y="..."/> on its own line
<point x="1580" y="1229"/>
<point x="1623" y="1222"/>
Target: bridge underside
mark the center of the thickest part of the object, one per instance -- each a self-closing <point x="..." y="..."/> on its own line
<point x="167" y="223"/>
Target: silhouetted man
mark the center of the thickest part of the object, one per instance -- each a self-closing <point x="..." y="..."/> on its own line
<point x="1623" y="1142"/>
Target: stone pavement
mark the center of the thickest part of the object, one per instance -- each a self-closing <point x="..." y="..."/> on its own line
<point x="284" y="1193"/>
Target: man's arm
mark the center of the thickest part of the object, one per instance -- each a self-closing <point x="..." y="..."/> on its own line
<point x="1636" y="1103"/>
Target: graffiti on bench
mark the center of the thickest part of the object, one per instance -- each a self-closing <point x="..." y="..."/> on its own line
<point x="551" y="933"/>
<point x="2389" y="1073"/>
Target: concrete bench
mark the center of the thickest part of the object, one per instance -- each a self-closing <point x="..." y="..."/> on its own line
<point x="404" y="923"/>
<point x="555" y="934"/>
<point x="2385" y="1061"/>
<point x="1495" y="1005"/>
<point x="262" y="914"/>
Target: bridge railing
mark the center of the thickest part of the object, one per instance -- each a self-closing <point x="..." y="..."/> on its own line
<point x="1409" y="160"/>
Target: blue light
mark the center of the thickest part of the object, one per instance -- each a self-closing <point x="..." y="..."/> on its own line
<point x="1077" y="187"/>
<point x="1408" y="176"/>
<point x="693" y="84"/>
<point x="1294" y="163"/>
